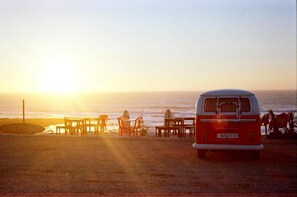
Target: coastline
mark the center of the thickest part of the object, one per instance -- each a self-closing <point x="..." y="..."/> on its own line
<point x="39" y="121"/>
<point x="49" y="124"/>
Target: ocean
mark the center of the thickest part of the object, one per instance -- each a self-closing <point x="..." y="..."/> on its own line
<point x="150" y="105"/>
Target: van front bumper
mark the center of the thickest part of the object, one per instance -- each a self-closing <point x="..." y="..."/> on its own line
<point x="227" y="147"/>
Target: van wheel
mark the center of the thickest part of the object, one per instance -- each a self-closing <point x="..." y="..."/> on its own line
<point x="201" y="153"/>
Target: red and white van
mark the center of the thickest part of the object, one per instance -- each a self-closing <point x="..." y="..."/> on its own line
<point x="227" y="120"/>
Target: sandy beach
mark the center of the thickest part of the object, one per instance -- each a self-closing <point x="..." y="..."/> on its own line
<point x="102" y="165"/>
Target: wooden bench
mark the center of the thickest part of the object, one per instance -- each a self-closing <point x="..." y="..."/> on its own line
<point x="67" y="129"/>
<point x="167" y="130"/>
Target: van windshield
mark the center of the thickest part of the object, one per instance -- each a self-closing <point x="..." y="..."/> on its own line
<point x="226" y="104"/>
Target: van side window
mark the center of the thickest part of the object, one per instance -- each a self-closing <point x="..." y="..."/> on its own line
<point x="210" y="105"/>
<point x="228" y="104"/>
<point x="245" y="105"/>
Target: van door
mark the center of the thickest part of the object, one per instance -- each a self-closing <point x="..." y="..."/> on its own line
<point x="227" y="125"/>
<point x="227" y="120"/>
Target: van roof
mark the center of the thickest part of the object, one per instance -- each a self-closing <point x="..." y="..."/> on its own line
<point x="227" y="92"/>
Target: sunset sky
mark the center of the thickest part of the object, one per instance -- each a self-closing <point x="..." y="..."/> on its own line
<point x="146" y="45"/>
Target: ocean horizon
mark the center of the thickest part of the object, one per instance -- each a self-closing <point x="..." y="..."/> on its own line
<point x="150" y="105"/>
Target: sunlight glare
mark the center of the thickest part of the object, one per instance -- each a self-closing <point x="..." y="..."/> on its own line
<point x="59" y="76"/>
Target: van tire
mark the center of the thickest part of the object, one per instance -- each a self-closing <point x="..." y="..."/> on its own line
<point x="201" y="153"/>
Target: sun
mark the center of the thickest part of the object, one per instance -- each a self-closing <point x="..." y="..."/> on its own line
<point x="59" y="76"/>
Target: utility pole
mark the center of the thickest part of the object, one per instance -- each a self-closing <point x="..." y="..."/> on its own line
<point x="23" y="111"/>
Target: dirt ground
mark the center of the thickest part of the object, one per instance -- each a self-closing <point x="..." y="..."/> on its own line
<point x="101" y="165"/>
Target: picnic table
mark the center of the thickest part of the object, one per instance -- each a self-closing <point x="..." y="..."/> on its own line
<point x="78" y="125"/>
<point x="72" y="125"/>
<point x="181" y="126"/>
